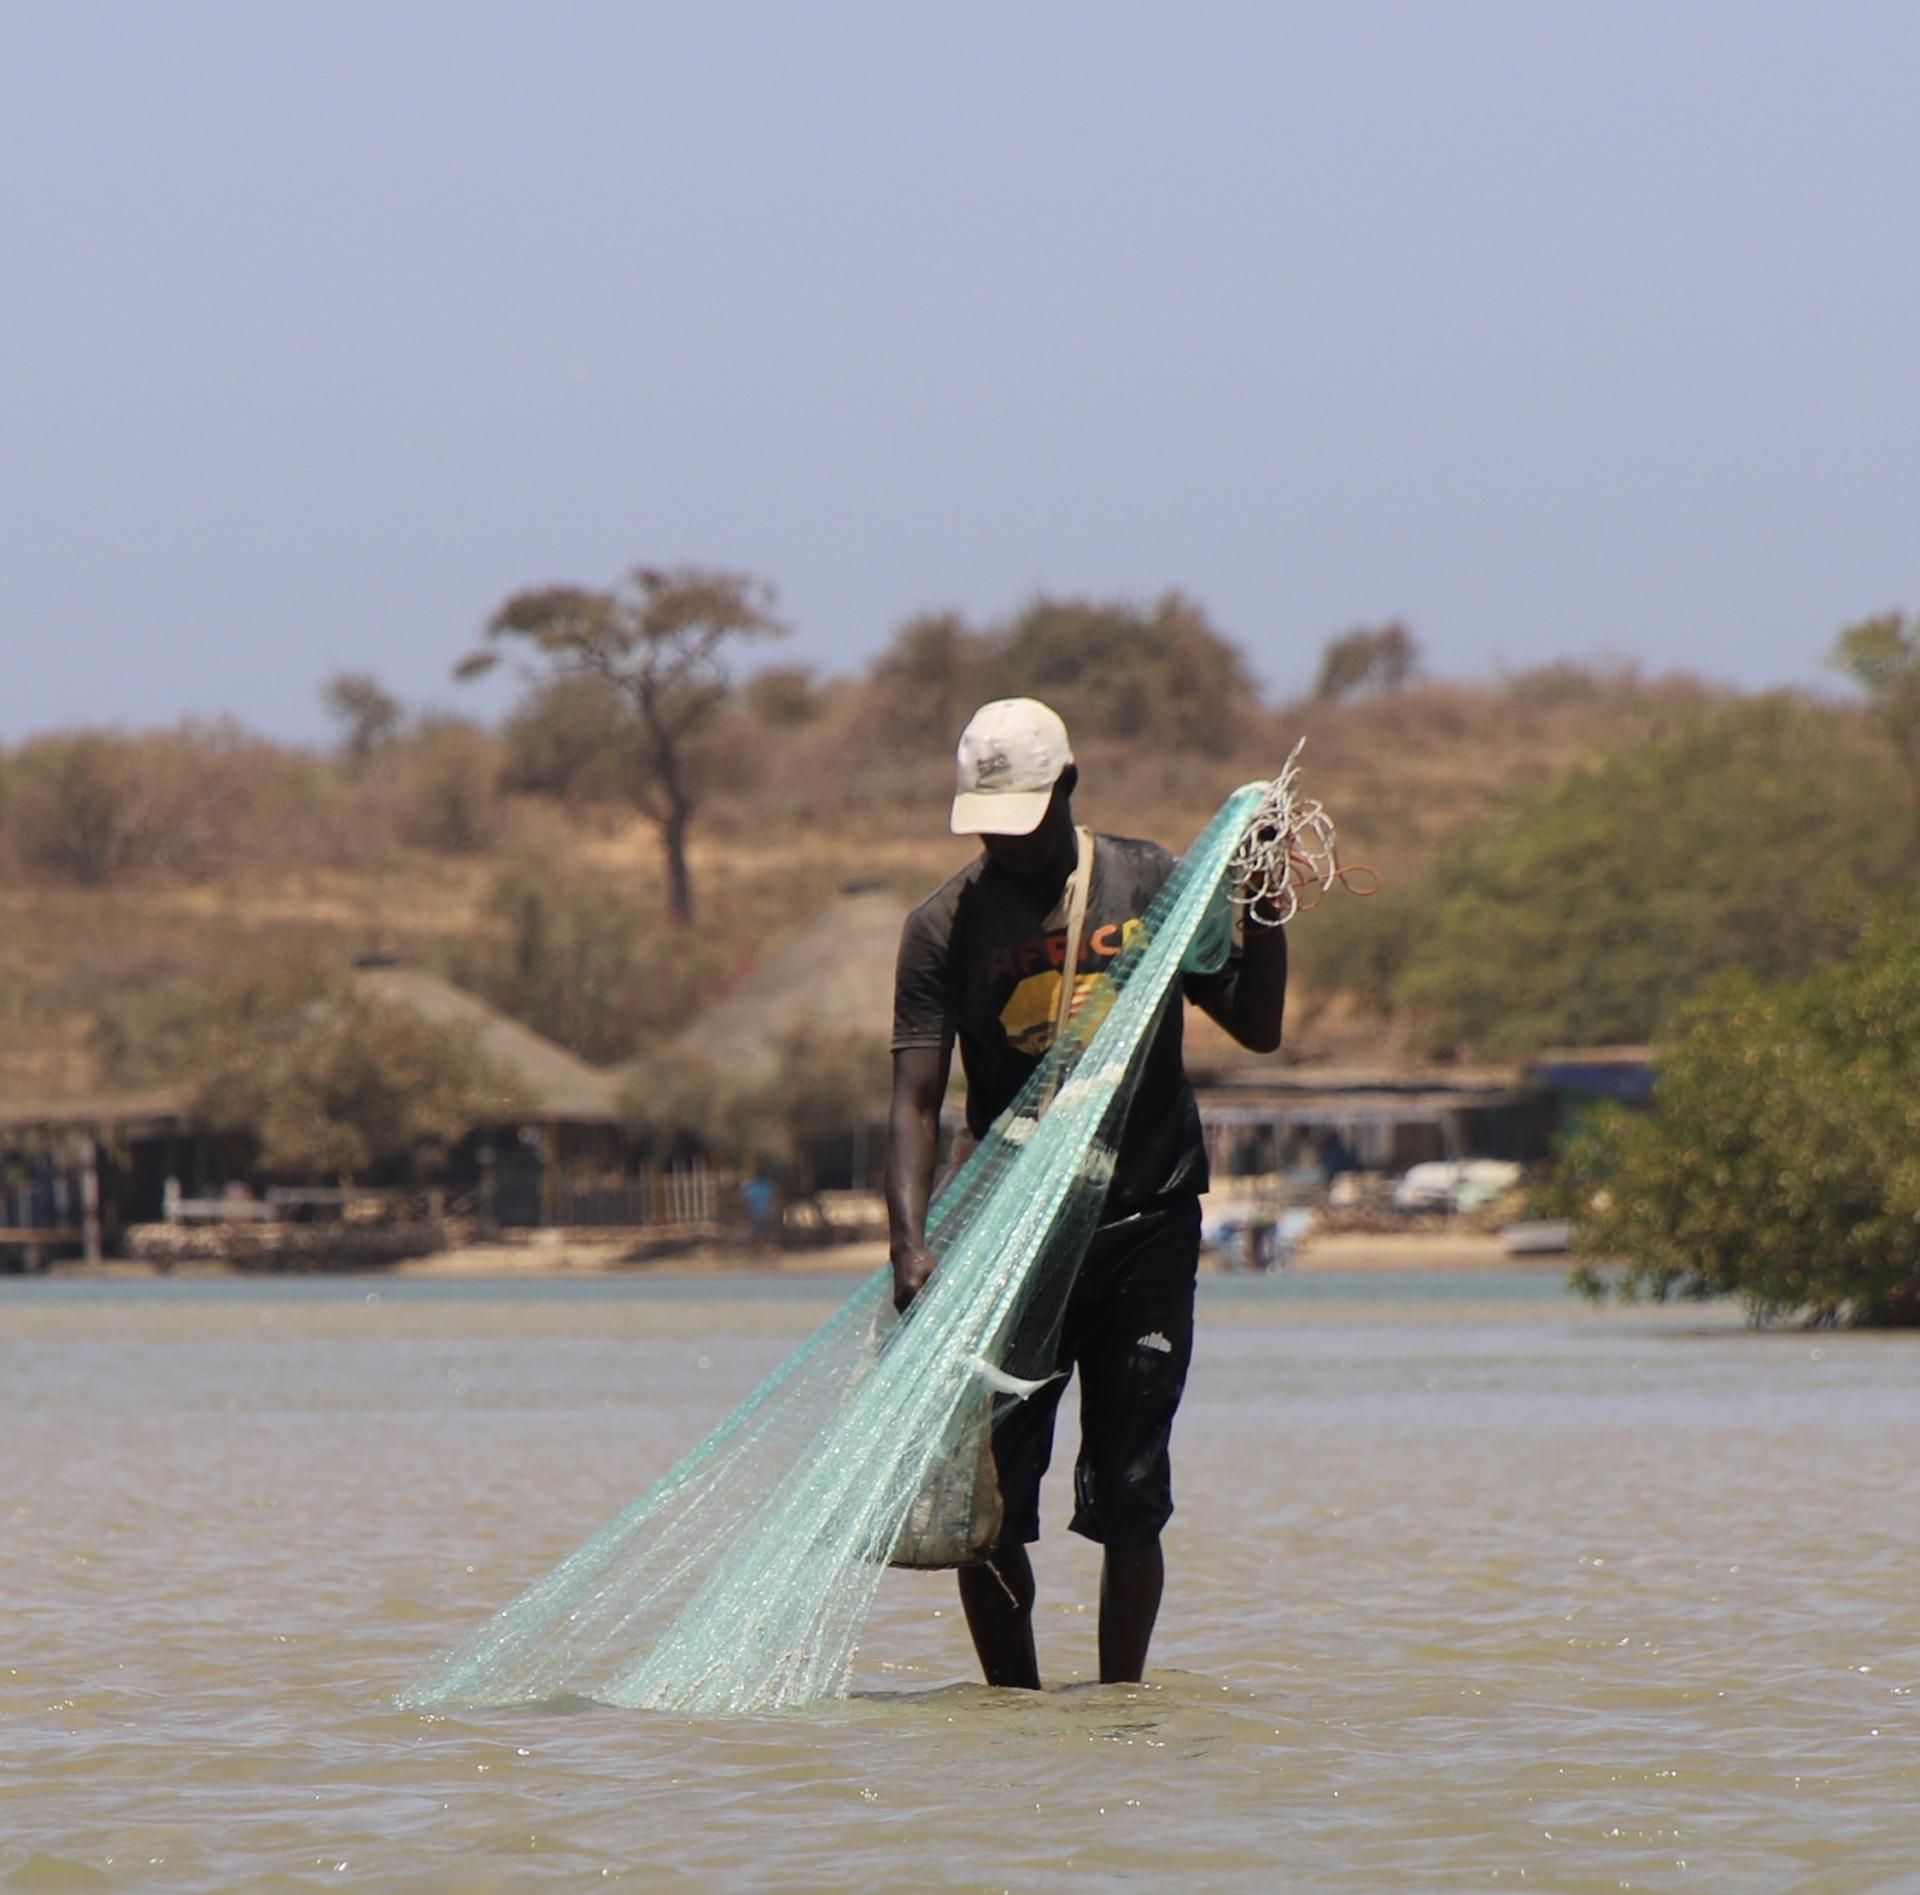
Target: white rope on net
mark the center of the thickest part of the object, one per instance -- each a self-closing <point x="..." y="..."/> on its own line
<point x="1288" y="859"/>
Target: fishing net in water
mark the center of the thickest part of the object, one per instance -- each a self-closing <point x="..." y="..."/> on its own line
<point x="740" y="1580"/>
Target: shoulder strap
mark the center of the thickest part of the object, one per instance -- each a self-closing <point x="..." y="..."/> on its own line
<point x="1076" y="926"/>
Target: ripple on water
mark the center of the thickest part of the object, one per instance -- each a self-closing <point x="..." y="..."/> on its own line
<point x="1477" y="1593"/>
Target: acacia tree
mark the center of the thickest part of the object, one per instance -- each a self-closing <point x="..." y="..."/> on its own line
<point x="656" y="644"/>
<point x="366" y="711"/>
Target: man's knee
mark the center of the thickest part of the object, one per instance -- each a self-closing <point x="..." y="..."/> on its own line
<point x="1123" y="1499"/>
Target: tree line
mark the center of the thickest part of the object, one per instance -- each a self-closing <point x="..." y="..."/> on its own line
<point x="1690" y="837"/>
<point x="625" y="683"/>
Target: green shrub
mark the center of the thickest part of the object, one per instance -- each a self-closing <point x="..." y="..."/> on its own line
<point x="1882" y="656"/>
<point x="783" y="696"/>
<point x="1781" y="1160"/>
<point x="1361" y="662"/>
<point x="927" y="682"/>
<point x="1590" y="907"/>
<point x="439" y="787"/>
<point x="331" y="1082"/>
<point x="325" y="1080"/>
<point x="1359" y="947"/>
<point x="72" y="808"/>
<point x="1162" y="675"/>
<point x="588" y="962"/>
<point x="821" y="1087"/>
<point x="1159" y="675"/>
<point x="199" y="801"/>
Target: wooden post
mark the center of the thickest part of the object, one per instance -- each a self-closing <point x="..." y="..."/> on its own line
<point x="89" y="1198"/>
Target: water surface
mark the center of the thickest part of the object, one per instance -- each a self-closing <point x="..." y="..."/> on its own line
<point x="1470" y="1587"/>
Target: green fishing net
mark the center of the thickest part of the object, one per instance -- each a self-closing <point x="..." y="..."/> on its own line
<point x="740" y="1580"/>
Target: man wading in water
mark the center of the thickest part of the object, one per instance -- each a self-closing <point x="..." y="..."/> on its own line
<point x="982" y="961"/>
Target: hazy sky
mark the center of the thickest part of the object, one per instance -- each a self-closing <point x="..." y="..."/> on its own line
<point x="1551" y="329"/>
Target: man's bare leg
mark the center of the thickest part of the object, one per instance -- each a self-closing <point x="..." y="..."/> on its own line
<point x="998" y="1598"/>
<point x="1131" y="1580"/>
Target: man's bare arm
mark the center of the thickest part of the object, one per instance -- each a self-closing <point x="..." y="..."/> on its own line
<point x="1251" y="1002"/>
<point x="913" y="1145"/>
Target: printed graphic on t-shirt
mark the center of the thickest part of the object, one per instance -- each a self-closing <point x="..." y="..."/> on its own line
<point x="1034" y="1005"/>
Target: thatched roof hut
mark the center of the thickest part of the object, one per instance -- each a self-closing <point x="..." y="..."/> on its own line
<point x="834" y="977"/>
<point x="158" y="1109"/>
<point x="563" y="1088"/>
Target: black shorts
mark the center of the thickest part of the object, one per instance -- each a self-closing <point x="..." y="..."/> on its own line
<point x="1129" y="1332"/>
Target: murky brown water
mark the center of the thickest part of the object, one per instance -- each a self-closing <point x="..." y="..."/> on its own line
<point x="1469" y="1587"/>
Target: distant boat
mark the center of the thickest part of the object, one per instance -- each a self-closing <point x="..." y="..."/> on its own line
<point x="1543" y="1237"/>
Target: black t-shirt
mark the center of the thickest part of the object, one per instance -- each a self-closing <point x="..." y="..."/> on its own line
<point x="980" y="961"/>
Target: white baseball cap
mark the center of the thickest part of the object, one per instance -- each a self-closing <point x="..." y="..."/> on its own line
<point x="1010" y="757"/>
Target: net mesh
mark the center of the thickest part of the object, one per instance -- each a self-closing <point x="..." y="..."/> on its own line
<point x="740" y="1580"/>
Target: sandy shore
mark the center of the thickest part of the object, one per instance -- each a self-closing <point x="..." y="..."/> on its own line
<point x="565" y="1254"/>
<point x="574" y="1256"/>
<point x="1411" y="1253"/>
<point x="1415" y="1252"/>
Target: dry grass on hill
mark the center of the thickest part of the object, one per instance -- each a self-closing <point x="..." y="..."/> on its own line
<point x="1397" y="770"/>
<point x="295" y="855"/>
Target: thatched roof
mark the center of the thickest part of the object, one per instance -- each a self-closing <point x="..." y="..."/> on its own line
<point x="562" y="1086"/>
<point x="833" y="977"/>
<point x="161" y="1108"/>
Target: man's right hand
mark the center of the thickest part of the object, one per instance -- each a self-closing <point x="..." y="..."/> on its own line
<point x="913" y="1263"/>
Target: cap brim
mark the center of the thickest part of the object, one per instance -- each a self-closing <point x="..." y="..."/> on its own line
<point x="999" y="812"/>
